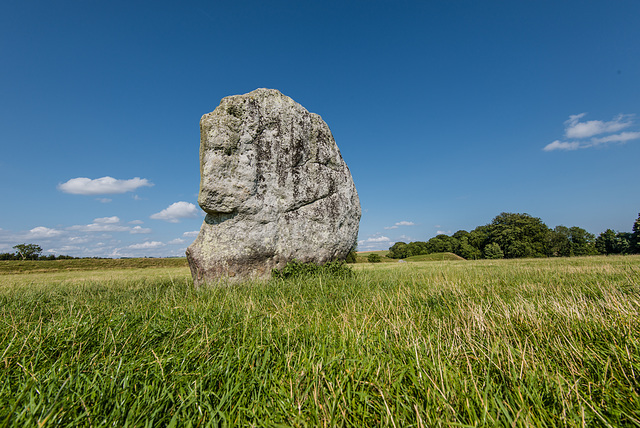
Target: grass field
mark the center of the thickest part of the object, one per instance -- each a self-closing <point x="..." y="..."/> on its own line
<point x="433" y="257"/>
<point x="86" y="264"/>
<point x="361" y="256"/>
<point x="537" y="342"/>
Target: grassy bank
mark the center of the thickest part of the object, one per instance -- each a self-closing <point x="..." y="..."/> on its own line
<point x="551" y="342"/>
<point x="433" y="257"/>
<point x="14" y="266"/>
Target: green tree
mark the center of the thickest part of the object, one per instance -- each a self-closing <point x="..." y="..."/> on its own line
<point x="466" y="250"/>
<point x="28" y="251"/>
<point x="635" y="236"/>
<point x="559" y="242"/>
<point x="8" y="256"/>
<point x="457" y="240"/>
<point x="479" y="237"/>
<point x="519" y="235"/>
<point x="610" y="242"/>
<point x="623" y="243"/>
<point x="441" y="244"/>
<point x="493" y="251"/>
<point x="605" y="242"/>
<point x="374" y="258"/>
<point x="582" y="242"/>
<point x="416" y="248"/>
<point x="399" y="250"/>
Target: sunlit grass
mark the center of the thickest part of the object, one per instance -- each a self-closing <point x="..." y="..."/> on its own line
<point x="547" y="342"/>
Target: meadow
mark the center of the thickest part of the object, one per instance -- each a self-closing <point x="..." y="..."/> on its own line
<point x="535" y="342"/>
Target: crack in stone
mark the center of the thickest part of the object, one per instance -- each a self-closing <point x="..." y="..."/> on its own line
<point x="218" y="218"/>
<point x="304" y="204"/>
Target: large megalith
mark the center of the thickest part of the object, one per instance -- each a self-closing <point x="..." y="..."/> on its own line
<point x="274" y="188"/>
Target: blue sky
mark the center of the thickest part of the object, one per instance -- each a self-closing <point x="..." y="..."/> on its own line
<point x="447" y="113"/>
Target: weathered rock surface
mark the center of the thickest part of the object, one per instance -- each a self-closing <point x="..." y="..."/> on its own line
<point x="274" y="188"/>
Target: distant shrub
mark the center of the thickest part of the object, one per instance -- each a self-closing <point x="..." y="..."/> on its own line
<point x="296" y="269"/>
<point x="374" y="258"/>
<point x="351" y="257"/>
<point x="8" y="256"/>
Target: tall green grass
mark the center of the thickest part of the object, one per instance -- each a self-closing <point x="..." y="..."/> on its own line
<point x="551" y="342"/>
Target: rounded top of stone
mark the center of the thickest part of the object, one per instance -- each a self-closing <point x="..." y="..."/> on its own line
<point x="259" y="93"/>
<point x="273" y="98"/>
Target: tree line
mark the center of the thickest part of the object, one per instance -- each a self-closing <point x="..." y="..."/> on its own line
<point x="30" y="252"/>
<point x="515" y="235"/>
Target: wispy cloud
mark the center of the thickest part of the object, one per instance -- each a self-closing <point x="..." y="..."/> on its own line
<point x="618" y="138"/>
<point x="139" y="229"/>
<point x="584" y="133"/>
<point x="146" y="245"/>
<point x="102" y="186"/>
<point x="400" y="223"/>
<point x="103" y="224"/>
<point x="174" y="212"/>
<point x="191" y="233"/>
<point x="103" y="237"/>
<point x="375" y="242"/>
<point x="107" y="220"/>
<point x="561" y="145"/>
<point x="576" y="129"/>
<point x="378" y="239"/>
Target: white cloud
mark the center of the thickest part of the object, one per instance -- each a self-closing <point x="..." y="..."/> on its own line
<point x="94" y="239"/>
<point x="176" y="241"/>
<point x="401" y="223"/>
<point x="102" y="224"/>
<point x="192" y="233"/>
<point x="136" y="222"/>
<point x="140" y="229"/>
<point x="79" y="239"/>
<point x="623" y="137"/>
<point x="107" y="220"/>
<point x="375" y="239"/>
<point x="94" y="227"/>
<point x="576" y="129"/>
<point x="583" y="133"/>
<point x="176" y="211"/>
<point x="63" y="249"/>
<point x="146" y="245"/>
<point x="44" y="232"/>
<point x="561" y="145"/>
<point x="374" y="243"/>
<point x="104" y="200"/>
<point x="101" y="186"/>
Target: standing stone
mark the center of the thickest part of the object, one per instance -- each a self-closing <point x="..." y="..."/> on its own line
<point x="274" y="188"/>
